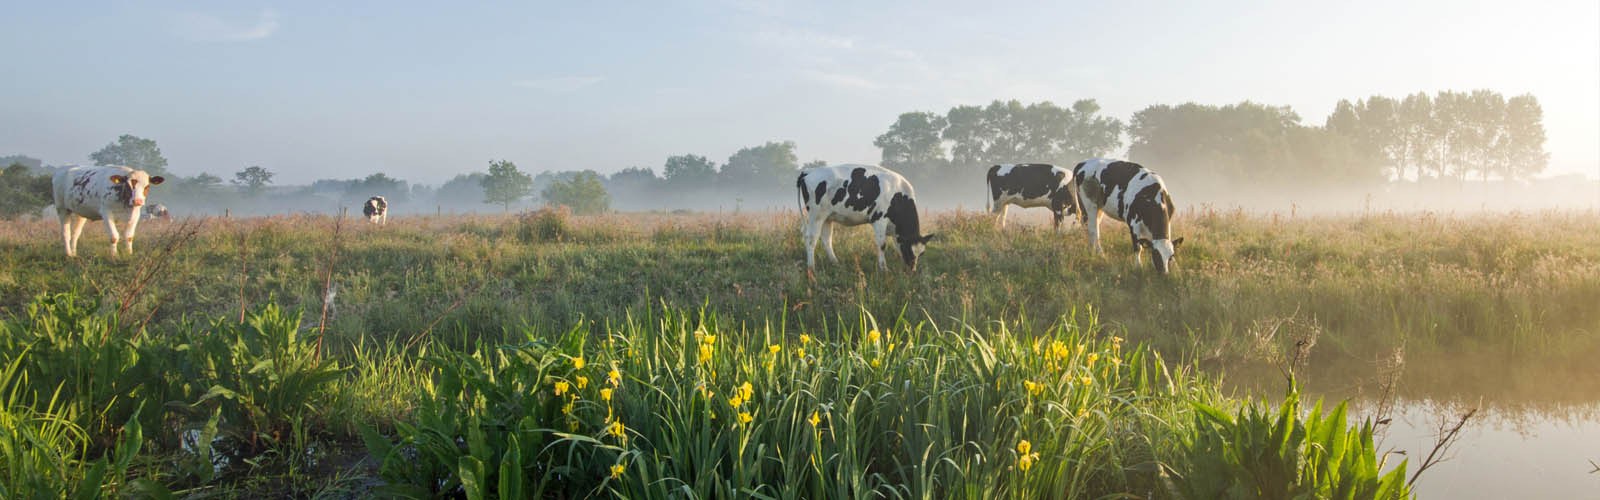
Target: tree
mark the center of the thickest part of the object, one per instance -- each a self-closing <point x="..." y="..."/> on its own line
<point x="913" y="142"/>
<point x="206" y="181"/>
<point x="761" y="165"/>
<point x="1524" y="144"/>
<point x="463" y="189"/>
<point x="378" y="184"/>
<point x="21" y="192"/>
<point x="253" y="179"/>
<point x="505" y="184"/>
<point x="27" y="161"/>
<point x="814" y="164"/>
<point x="1415" y="118"/>
<point x="583" y="193"/>
<point x="1011" y="132"/>
<point x="688" y="170"/>
<point x="134" y="152"/>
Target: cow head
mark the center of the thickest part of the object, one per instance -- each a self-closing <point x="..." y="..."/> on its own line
<point x="911" y="249"/>
<point x="1162" y="252"/>
<point x="135" y="186"/>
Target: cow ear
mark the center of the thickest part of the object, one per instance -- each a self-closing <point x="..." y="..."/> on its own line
<point x="927" y="237"/>
<point x="1144" y="242"/>
<point x="157" y="180"/>
<point x="117" y="179"/>
<point x="1177" y="242"/>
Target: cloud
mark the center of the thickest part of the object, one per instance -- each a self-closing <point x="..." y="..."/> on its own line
<point x="559" y="83"/>
<point x="804" y="40"/>
<point x="202" y="27"/>
<point x="840" y="80"/>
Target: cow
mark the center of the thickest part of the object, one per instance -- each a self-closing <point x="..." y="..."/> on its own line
<point x="1030" y="185"/>
<point x="155" y="211"/>
<point x="376" y="209"/>
<point x="109" y="193"/>
<point x="1130" y="193"/>
<point x="851" y="195"/>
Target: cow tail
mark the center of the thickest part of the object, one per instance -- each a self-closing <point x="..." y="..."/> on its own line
<point x="799" y="192"/>
<point x="988" y="194"/>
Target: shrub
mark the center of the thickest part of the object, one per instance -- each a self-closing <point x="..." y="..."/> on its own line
<point x="545" y="224"/>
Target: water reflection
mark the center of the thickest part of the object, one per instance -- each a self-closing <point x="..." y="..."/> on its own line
<point x="1503" y="452"/>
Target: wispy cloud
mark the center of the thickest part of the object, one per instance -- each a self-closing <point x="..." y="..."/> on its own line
<point x="203" y="27"/>
<point x="840" y="80"/>
<point x="559" y="83"/>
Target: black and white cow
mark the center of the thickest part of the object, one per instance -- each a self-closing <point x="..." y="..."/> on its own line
<point x="108" y="193"/>
<point x="1030" y="185"/>
<point x="155" y="211"/>
<point x="860" y="194"/>
<point x="1130" y="193"/>
<point x="376" y="209"/>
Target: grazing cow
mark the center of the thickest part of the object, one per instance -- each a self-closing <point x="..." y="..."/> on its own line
<point x="860" y="194"/>
<point x="107" y="193"/>
<point x="1130" y="193"/>
<point x="155" y="211"/>
<point x="376" y="210"/>
<point x="1032" y="185"/>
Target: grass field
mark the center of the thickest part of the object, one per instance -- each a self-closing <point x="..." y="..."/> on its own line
<point x="428" y="361"/>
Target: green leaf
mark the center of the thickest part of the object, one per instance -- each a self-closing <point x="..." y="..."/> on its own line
<point x="470" y="469"/>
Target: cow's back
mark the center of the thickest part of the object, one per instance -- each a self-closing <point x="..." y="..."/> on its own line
<point x="79" y="190"/>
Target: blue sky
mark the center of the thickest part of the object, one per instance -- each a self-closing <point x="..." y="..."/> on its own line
<point x="425" y="91"/>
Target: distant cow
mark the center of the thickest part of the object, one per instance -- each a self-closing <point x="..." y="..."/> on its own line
<point x="1030" y="185"/>
<point x="107" y="193"/>
<point x="376" y="210"/>
<point x="155" y="211"/>
<point x="860" y="194"/>
<point x="1133" y="194"/>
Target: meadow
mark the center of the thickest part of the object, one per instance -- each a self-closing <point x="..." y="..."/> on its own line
<point x="653" y="355"/>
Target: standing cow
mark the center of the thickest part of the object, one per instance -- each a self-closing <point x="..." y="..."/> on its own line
<point x="860" y="194"/>
<point x="1030" y="185"/>
<point x="107" y="193"/>
<point x="1130" y="193"/>
<point x="376" y="209"/>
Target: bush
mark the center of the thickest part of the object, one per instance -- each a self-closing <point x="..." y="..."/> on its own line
<point x="544" y="225"/>
<point x="583" y="193"/>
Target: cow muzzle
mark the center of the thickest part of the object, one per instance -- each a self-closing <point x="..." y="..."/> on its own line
<point x="137" y="202"/>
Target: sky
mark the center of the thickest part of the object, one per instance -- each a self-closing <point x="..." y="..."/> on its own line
<point x="424" y="91"/>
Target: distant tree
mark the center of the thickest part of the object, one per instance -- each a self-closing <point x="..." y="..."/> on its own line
<point x="505" y="184"/>
<point x="761" y="165"/>
<point x="687" y="170"/>
<point x="205" y="181"/>
<point x="1011" y="132"/>
<point x="378" y="184"/>
<point x="814" y="164"/>
<point x="21" y="192"/>
<point x="633" y="179"/>
<point x="1415" y="123"/>
<point x="584" y="193"/>
<point x="24" y="160"/>
<point x="1524" y="143"/>
<point x="913" y="142"/>
<point x="462" y="189"/>
<point x="969" y="133"/>
<point x="253" y="179"/>
<point x="135" y="152"/>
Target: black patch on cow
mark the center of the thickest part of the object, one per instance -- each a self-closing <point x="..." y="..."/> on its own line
<point x="838" y="194"/>
<point x="863" y="189"/>
<point x="907" y="230"/>
<point x="1032" y="180"/>
<point x="822" y="189"/>
<point x="123" y="191"/>
<point x="1116" y="176"/>
<point x="1148" y="206"/>
<point x="805" y="194"/>
<point x="375" y="206"/>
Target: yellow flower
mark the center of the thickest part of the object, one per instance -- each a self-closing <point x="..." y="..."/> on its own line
<point x="876" y="363"/>
<point x="1025" y="462"/>
<point x="561" y="387"/>
<point x="1116" y="340"/>
<point x="1024" y="447"/>
<point x="891" y="348"/>
<point x="1082" y="412"/>
<point x="616" y="471"/>
<point x="736" y="401"/>
<point x="605" y="394"/>
<point x="567" y="410"/>
<point x="1059" y="350"/>
<point x="709" y="340"/>
<point x="872" y="336"/>
<point x="774" y="348"/>
<point x="615" y="377"/>
<point x="815" y="419"/>
<point x="583" y="382"/>
<point x="746" y="391"/>
<point x="1093" y="357"/>
<point x="617" y="429"/>
<point x="1032" y="387"/>
<point x="572" y="425"/>
<point x="1086" y="380"/>
<point x="800" y="352"/>
<point x="745" y="418"/>
<point x="577" y="363"/>
<point x="1116" y="361"/>
<point x="805" y="339"/>
<point x="705" y="352"/>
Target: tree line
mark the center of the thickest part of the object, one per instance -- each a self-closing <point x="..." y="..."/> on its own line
<point x="1477" y="134"/>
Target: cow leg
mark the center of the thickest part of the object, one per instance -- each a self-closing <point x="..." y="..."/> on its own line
<point x="1138" y="251"/>
<point x="827" y="241"/>
<point x="808" y="238"/>
<point x="1058" y="216"/>
<point x="78" y="222"/>
<point x="127" y="237"/>
<point x="111" y="228"/>
<point x="1000" y="213"/>
<point x="1091" y="226"/>
<point x="880" y="237"/>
